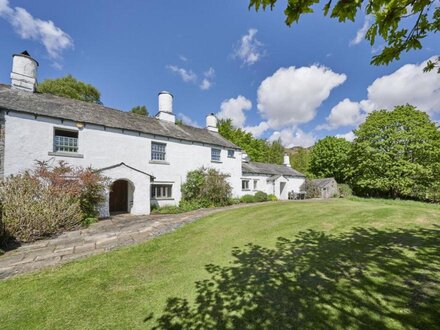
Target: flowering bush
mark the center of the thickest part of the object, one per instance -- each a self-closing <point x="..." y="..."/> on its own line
<point x="48" y="200"/>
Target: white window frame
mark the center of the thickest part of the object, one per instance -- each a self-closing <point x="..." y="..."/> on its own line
<point x="214" y="156"/>
<point x="67" y="144"/>
<point x="157" y="154"/>
<point x="161" y="191"/>
<point x="245" y="184"/>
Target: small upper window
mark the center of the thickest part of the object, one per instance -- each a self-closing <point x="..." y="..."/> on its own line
<point x="215" y="155"/>
<point x="255" y="184"/>
<point x="230" y="153"/>
<point x="65" y="140"/>
<point x="158" y="151"/>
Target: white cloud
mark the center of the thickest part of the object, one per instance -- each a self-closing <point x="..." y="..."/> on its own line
<point x="208" y="80"/>
<point x="183" y="58"/>
<point x="291" y="137"/>
<point x="249" y="50"/>
<point x="187" y="120"/>
<point x="189" y="76"/>
<point x="234" y="109"/>
<point x="257" y="130"/>
<point x="27" y="27"/>
<point x="292" y="95"/>
<point x="345" y="113"/>
<point x="360" y="35"/>
<point x="205" y="84"/>
<point x="210" y="73"/>
<point x="348" y="136"/>
<point x="408" y="84"/>
<point x="186" y="75"/>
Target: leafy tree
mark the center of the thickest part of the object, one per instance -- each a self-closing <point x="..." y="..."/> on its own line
<point x="401" y="24"/>
<point x="397" y="154"/>
<point x="258" y="150"/>
<point x="329" y="158"/>
<point x="69" y="87"/>
<point x="300" y="160"/>
<point x="140" y="110"/>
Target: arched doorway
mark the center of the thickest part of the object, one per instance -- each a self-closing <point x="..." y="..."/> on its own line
<point x="119" y="196"/>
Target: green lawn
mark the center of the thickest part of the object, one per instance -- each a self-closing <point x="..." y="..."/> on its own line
<point x="333" y="264"/>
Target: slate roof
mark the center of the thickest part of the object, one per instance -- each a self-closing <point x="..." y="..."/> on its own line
<point x="79" y="111"/>
<point x="322" y="183"/>
<point x="269" y="169"/>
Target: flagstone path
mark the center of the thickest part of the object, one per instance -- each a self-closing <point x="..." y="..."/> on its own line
<point x="100" y="237"/>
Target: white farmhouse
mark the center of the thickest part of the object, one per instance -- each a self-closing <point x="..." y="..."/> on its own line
<point x="147" y="158"/>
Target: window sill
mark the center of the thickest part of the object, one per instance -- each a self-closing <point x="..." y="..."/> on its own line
<point x="231" y="157"/>
<point x="162" y="198"/>
<point x="160" y="162"/>
<point x="245" y="190"/>
<point x="65" y="154"/>
<point x="216" y="161"/>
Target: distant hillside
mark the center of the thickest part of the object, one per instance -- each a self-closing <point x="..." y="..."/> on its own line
<point x="295" y="150"/>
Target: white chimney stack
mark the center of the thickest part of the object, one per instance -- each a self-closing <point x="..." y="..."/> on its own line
<point x="287" y="160"/>
<point x="166" y="107"/>
<point x="211" y="123"/>
<point x="24" y="72"/>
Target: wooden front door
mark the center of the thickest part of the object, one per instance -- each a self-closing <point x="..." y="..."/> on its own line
<point x="119" y="196"/>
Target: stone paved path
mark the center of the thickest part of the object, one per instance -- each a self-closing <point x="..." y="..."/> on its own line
<point x="101" y="237"/>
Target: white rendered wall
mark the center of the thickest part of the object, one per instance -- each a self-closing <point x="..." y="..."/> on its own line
<point x="29" y="139"/>
<point x="272" y="187"/>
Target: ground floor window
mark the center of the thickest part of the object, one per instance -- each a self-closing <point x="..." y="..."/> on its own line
<point x="159" y="191"/>
<point x="244" y="184"/>
<point x="255" y="184"/>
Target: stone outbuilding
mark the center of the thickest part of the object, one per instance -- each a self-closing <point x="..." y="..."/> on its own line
<point x="328" y="187"/>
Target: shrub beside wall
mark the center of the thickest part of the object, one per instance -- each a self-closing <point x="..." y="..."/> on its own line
<point x="49" y="200"/>
<point x="311" y="190"/>
<point x="206" y="188"/>
<point x="259" y="197"/>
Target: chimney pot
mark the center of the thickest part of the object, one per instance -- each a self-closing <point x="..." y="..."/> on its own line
<point x="211" y="123"/>
<point x="166" y="107"/>
<point x="287" y="160"/>
<point x="24" y="72"/>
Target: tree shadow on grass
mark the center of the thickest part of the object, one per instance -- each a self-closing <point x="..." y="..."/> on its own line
<point x="365" y="278"/>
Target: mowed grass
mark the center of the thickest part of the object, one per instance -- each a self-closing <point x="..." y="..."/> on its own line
<point x="325" y="264"/>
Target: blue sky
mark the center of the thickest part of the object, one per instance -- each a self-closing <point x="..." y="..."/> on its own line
<point x="216" y="56"/>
